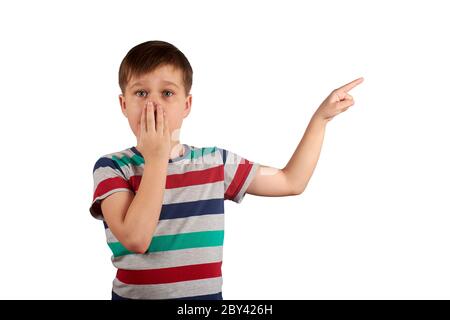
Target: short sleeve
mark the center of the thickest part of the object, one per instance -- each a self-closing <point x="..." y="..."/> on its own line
<point x="238" y="174"/>
<point x="108" y="178"/>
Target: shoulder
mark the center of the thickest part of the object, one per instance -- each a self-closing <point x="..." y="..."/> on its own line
<point x="121" y="161"/>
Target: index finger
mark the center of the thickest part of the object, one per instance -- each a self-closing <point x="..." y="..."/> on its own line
<point x="150" y="116"/>
<point x="143" y="122"/>
<point x="349" y="86"/>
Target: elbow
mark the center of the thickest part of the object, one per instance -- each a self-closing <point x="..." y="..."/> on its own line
<point x="297" y="191"/>
<point x="138" y="248"/>
<point x="138" y="245"/>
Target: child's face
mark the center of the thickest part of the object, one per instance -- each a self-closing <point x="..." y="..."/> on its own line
<point x="154" y="87"/>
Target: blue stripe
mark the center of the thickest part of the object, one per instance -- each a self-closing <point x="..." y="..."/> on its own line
<point x="107" y="162"/>
<point x="192" y="208"/>
<point x="189" y="209"/>
<point x="215" y="296"/>
<point x="224" y="157"/>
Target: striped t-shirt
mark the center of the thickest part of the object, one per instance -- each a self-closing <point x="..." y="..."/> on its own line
<point x="184" y="258"/>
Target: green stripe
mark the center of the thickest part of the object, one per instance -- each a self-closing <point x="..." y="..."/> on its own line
<point x="175" y="242"/>
<point x="137" y="160"/>
<point x="125" y="160"/>
<point x="202" y="152"/>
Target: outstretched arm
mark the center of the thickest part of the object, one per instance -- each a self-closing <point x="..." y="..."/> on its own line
<point x="294" y="177"/>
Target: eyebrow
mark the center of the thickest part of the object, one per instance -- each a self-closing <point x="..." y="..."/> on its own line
<point x="165" y="81"/>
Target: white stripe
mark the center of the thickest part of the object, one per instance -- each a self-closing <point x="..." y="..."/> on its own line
<point x="168" y="259"/>
<point x="205" y="191"/>
<point x="190" y="224"/>
<point x="170" y="290"/>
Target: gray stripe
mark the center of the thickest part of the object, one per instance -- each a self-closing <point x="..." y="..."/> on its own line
<point x="188" y="167"/>
<point x="190" y="224"/>
<point x="168" y="259"/>
<point x="238" y="198"/>
<point x="182" y="225"/>
<point x="202" y="156"/>
<point x="170" y="290"/>
<point x="205" y="191"/>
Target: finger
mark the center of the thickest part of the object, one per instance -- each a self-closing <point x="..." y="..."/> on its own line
<point x="159" y="119"/>
<point x="349" y="86"/>
<point x="150" y="118"/>
<point x="344" y="104"/>
<point x="142" y="122"/>
<point x="166" y="123"/>
<point x="337" y="96"/>
<point x="342" y="96"/>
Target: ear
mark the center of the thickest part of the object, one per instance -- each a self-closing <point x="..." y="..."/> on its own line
<point x="187" y="106"/>
<point x="123" y="105"/>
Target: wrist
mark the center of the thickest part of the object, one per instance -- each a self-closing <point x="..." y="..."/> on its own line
<point x="158" y="161"/>
<point x="316" y="118"/>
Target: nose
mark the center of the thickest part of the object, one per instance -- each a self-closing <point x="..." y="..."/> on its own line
<point x="153" y="97"/>
<point x="154" y="102"/>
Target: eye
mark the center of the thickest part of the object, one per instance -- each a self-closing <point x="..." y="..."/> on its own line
<point x="138" y="93"/>
<point x="169" y="92"/>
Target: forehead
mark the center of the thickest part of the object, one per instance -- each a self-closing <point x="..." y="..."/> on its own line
<point x="162" y="74"/>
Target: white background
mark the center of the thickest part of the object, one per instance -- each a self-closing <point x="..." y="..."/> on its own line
<point x="374" y="220"/>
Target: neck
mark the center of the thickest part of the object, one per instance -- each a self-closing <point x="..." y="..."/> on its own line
<point x="176" y="149"/>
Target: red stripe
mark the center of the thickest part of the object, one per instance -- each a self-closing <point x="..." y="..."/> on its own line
<point x="110" y="184"/>
<point x="239" y="178"/>
<point x="195" y="177"/>
<point x="169" y="275"/>
<point x="135" y="181"/>
<point x="190" y="178"/>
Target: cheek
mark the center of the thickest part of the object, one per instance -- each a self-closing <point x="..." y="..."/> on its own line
<point x="136" y="122"/>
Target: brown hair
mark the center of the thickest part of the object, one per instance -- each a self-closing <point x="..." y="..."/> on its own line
<point x="148" y="56"/>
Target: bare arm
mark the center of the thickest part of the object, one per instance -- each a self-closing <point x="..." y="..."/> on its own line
<point x="295" y="176"/>
<point x="304" y="160"/>
<point x="133" y="218"/>
<point x="301" y="166"/>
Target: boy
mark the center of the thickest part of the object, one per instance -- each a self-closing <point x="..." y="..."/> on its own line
<point x="162" y="202"/>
